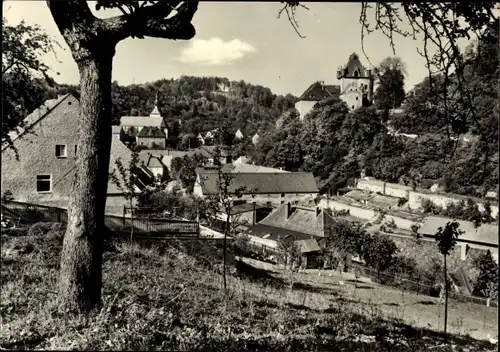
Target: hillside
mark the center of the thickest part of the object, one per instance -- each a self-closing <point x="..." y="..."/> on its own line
<point x="200" y="103"/>
<point x="170" y="298"/>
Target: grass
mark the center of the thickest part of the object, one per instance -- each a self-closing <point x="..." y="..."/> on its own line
<point x="171" y="298"/>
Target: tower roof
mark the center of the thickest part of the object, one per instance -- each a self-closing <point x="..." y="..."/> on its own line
<point x="354" y="68"/>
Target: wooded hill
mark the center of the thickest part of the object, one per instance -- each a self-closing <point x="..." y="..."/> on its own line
<point x="200" y="103"/>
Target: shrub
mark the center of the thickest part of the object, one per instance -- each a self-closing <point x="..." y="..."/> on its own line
<point x="487" y="281"/>
<point x="402" y="201"/>
<point x="40" y="228"/>
<point x="429" y="207"/>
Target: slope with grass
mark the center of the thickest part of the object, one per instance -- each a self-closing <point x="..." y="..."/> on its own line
<point x="170" y="298"/>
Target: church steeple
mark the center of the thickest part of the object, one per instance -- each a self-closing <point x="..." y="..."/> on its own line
<point x="155" y="111"/>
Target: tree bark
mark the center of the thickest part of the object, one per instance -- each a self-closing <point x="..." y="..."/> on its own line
<point x="81" y="258"/>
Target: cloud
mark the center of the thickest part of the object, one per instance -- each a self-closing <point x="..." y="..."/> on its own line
<point x="215" y="51"/>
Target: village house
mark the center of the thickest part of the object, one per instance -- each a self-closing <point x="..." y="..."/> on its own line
<point x="133" y="125"/>
<point x="261" y="187"/>
<point x="356" y="88"/>
<point x="47" y="150"/>
<point x="306" y="226"/>
<point x="152" y="162"/>
<point x="255" y="138"/>
<point x="151" y="137"/>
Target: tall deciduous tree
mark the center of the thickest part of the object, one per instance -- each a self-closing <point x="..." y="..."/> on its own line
<point x="92" y="42"/>
<point x="446" y="239"/>
<point x="390" y="91"/>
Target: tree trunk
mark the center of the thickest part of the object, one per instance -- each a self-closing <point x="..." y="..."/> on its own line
<point x="81" y="257"/>
<point x="445" y="296"/>
<point x="226" y="230"/>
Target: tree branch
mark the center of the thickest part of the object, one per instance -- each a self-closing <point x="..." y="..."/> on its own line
<point x="153" y="21"/>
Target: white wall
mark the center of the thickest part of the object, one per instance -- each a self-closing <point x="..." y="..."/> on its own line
<point x="304" y="107"/>
<point x="398" y="191"/>
<point x="371" y="185"/>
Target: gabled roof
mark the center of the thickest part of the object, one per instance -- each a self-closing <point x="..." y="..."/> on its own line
<point x="306" y="242"/>
<point x="301" y="219"/>
<point x="262" y="183"/>
<point x="151" y="132"/>
<point x="142" y="121"/>
<point x="36" y="116"/>
<point x="318" y="91"/>
<point x="352" y="65"/>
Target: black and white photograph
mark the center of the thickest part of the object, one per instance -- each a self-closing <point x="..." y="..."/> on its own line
<point x="249" y="176"/>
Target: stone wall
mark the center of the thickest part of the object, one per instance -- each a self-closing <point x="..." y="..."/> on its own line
<point x="395" y="190"/>
<point x="367" y="214"/>
<point x="371" y="185"/>
<point x="442" y="200"/>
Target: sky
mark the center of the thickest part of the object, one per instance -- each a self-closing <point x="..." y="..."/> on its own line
<point x="240" y="41"/>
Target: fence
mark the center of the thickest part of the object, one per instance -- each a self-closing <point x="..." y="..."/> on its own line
<point x="154" y="228"/>
<point x="407" y="284"/>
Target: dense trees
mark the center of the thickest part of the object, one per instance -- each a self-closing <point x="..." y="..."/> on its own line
<point x="198" y="103"/>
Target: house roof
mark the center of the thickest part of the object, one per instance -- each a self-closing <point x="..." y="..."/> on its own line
<point x="151" y="132"/>
<point x="358" y="195"/>
<point x="306" y="242"/>
<point x="308" y="246"/>
<point x="486" y="233"/>
<point x="155" y="162"/>
<point x="242" y="167"/>
<point x="118" y="150"/>
<point x="151" y="121"/>
<point x="301" y="219"/>
<point x="259" y="183"/>
<point x="318" y="91"/>
<point x="116" y="129"/>
<point x="37" y="115"/>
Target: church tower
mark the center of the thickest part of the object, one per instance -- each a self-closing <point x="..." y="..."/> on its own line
<point x="356" y="87"/>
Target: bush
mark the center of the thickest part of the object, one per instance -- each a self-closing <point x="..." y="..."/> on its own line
<point x="402" y="201"/>
<point x="41" y="228"/>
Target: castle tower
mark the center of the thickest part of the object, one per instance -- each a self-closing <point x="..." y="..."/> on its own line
<point x="356" y="83"/>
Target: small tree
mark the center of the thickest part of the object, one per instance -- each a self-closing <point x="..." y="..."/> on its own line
<point x="487" y="280"/>
<point x="222" y="202"/>
<point x="379" y="252"/>
<point x="446" y="239"/>
<point x="344" y="239"/>
<point x="125" y="179"/>
<point x="288" y="252"/>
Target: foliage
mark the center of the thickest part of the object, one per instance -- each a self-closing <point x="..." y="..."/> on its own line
<point x="24" y="75"/>
<point x="288" y="253"/>
<point x="344" y="239"/>
<point x="199" y="104"/>
<point x="125" y="177"/>
<point x="446" y="237"/>
<point x="487" y="281"/>
<point x="169" y="203"/>
<point x="390" y="92"/>
<point x="183" y="169"/>
<point x="378" y="252"/>
<point x="462" y="210"/>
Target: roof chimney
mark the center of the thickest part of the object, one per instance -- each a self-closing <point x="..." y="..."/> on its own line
<point x="288" y="210"/>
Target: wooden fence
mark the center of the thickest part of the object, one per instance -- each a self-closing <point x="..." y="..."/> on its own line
<point x="27" y="213"/>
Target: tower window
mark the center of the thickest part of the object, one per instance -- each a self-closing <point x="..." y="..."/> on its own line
<point x="357" y="98"/>
<point x="356" y="73"/>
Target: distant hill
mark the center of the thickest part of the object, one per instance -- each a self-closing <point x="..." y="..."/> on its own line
<point x="200" y="103"/>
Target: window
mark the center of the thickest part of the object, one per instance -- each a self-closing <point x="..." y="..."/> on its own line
<point x="353" y="106"/>
<point x="356" y="73"/>
<point x="76" y="149"/>
<point x="282" y="195"/>
<point x="357" y="98"/>
<point x="44" y="183"/>
<point x="61" y="151"/>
